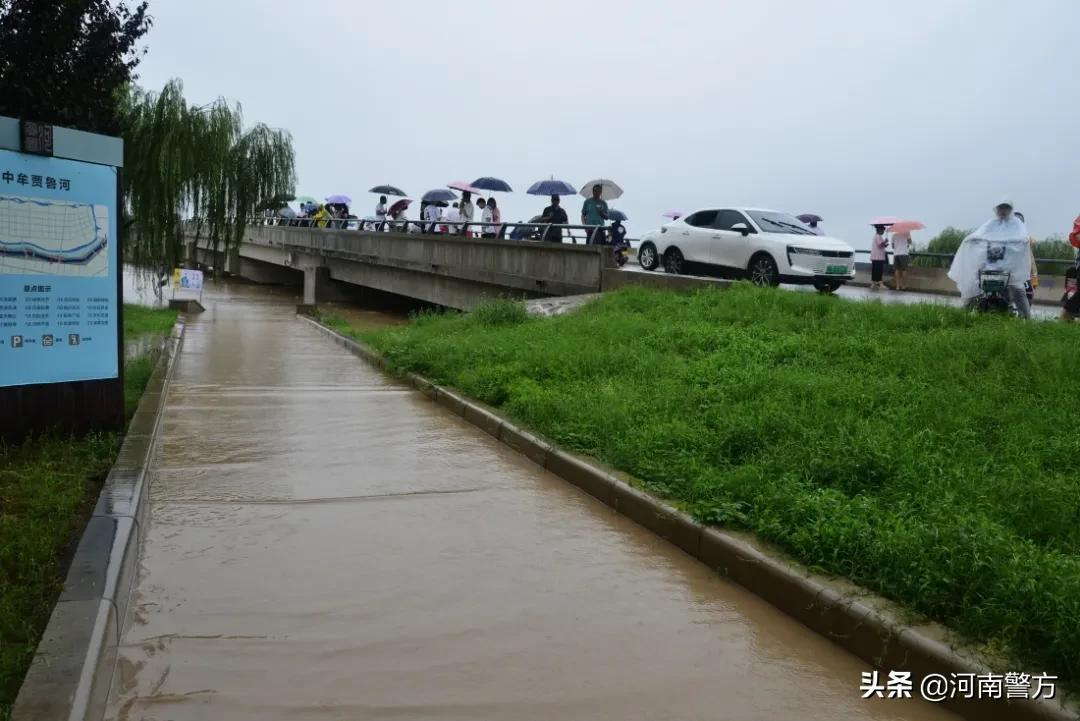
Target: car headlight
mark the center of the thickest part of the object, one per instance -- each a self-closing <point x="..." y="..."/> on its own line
<point x="803" y="251"/>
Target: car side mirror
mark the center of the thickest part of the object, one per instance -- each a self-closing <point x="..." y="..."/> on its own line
<point x="741" y="228"/>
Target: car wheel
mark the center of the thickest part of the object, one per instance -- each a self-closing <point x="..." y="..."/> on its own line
<point x="647" y="257"/>
<point x="673" y="261"/>
<point x="763" y="271"/>
<point x="827" y="286"/>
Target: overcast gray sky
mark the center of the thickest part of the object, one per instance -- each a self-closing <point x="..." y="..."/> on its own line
<point x="929" y="109"/>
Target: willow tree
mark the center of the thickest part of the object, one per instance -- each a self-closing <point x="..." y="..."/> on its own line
<point x="183" y="160"/>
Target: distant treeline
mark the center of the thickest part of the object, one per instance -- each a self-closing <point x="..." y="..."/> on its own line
<point x="1054" y="247"/>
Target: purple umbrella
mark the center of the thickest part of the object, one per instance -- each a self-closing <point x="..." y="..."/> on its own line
<point x="674" y="214"/>
<point x="339" y="199"/>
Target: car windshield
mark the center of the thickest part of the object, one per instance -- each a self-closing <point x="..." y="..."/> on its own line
<point x="771" y="222"/>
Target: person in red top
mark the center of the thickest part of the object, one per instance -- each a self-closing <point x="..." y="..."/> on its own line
<point x="1070" y="302"/>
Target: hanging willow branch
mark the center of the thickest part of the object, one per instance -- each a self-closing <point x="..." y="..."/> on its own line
<point x="181" y="159"/>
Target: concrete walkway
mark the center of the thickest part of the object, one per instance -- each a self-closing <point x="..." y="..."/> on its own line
<point x="325" y="544"/>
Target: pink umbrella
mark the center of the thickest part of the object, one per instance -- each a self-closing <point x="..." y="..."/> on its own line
<point x="885" y="220"/>
<point x="674" y="214"/>
<point x="906" y="226"/>
<point x="464" y="187"/>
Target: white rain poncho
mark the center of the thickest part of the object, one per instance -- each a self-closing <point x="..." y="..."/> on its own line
<point x="997" y="245"/>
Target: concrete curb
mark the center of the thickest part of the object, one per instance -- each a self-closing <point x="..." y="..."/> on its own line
<point x="73" y="666"/>
<point x="866" y="625"/>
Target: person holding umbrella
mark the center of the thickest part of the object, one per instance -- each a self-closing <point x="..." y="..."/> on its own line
<point x="398" y="217"/>
<point x="431" y="214"/>
<point x="380" y="212"/>
<point x="901" y="241"/>
<point x="465" y="210"/>
<point x="594" y="212"/>
<point x="493" y="216"/>
<point x="555" y="215"/>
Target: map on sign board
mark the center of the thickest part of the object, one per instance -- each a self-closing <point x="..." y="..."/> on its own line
<point x="44" y="237"/>
<point x="59" y="270"/>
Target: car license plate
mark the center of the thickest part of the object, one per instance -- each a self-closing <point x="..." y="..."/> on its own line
<point x="836" y="270"/>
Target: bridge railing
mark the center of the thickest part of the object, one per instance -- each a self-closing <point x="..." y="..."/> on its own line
<point x="944" y="260"/>
<point x="573" y="233"/>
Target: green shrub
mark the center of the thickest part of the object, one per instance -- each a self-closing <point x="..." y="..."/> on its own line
<point x="947" y="241"/>
<point x="498" y="313"/>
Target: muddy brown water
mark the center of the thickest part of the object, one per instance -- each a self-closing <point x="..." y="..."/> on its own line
<point x="327" y="544"/>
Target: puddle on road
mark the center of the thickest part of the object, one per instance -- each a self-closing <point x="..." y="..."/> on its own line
<point x="326" y="544"/>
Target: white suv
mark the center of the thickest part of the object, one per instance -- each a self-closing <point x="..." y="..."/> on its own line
<point x="766" y="246"/>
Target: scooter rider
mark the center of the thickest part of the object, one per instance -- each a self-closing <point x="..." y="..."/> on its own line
<point x="1003" y="242"/>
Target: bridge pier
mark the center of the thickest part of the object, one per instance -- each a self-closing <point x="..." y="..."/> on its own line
<point x="319" y="287"/>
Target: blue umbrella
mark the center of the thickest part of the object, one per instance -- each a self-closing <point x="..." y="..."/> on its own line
<point x="494" y="184"/>
<point x="551" y="187"/>
<point x="439" y="195"/>
<point x="618" y="215"/>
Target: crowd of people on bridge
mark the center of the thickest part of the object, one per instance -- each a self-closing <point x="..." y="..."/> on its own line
<point x="464" y="217"/>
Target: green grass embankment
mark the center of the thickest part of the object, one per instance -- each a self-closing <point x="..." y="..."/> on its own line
<point x="925" y="453"/>
<point x="48" y="487"/>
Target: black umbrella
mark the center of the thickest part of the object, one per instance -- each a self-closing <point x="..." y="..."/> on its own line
<point x="493" y="184"/>
<point x="809" y="218"/>
<point x="439" y="195"/>
<point x="388" y="190"/>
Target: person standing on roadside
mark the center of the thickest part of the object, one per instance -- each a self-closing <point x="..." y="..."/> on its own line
<point x="1033" y="281"/>
<point x="877" y="257"/>
<point x="594" y="213"/>
<point x="554" y="214"/>
<point x="901" y="243"/>
<point x="465" y="210"/>
<point x="815" y="227"/>
<point x="1070" y="301"/>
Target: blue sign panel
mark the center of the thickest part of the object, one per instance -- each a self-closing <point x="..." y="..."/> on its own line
<point x="59" y="270"/>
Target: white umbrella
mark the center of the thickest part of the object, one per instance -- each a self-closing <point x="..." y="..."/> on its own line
<point x="609" y="189"/>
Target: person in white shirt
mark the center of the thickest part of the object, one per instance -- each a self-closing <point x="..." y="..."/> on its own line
<point x="465" y="210"/>
<point x="432" y="213"/>
<point x="901" y="243"/>
<point x="816" y="228"/>
<point x="452" y="216"/>
<point x="487" y="214"/>
<point x="380" y="212"/>
<point x="494" y="229"/>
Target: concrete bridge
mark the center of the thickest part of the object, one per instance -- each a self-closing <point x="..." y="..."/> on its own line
<point x="447" y="270"/>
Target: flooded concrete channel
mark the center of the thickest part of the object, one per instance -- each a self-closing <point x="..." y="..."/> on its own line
<point x="327" y="544"/>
